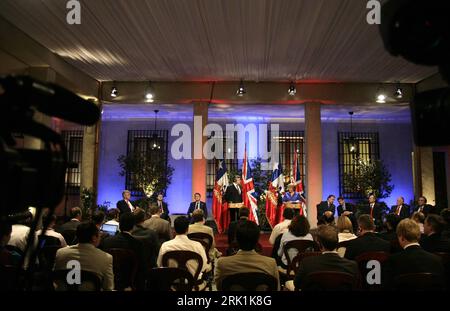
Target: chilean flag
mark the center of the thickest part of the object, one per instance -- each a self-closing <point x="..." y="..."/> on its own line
<point x="276" y="185"/>
<point x="220" y="208"/>
<point x="297" y="181"/>
<point x="249" y="196"/>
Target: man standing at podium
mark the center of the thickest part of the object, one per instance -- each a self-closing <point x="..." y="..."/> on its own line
<point x="233" y="194"/>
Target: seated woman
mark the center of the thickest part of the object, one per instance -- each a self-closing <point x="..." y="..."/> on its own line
<point x="298" y="230"/>
<point x="345" y="229"/>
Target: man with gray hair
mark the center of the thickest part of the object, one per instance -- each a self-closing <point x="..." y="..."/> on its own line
<point x="125" y="205"/>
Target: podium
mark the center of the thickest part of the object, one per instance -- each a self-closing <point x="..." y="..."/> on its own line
<point x="235" y="205"/>
<point x="292" y="205"/>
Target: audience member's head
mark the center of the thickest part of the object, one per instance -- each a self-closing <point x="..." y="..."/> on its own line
<point x="126" y="195"/>
<point x="87" y="232"/>
<point x="408" y="231"/>
<point x="127" y="222"/>
<point x="247" y="235"/>
<point x="139" y="216"/>
<point x="198" y="216"/>
<point x="344" y="225"/>
<point x="299" y="226"/>
<point x="327" y="238"/>
<point x="434" y="224"/>
<point x="154" y="209"/>
<point x="391" y="222"/>
<point x="422" y="201"/>
<point x="49" y="220"/>
<point x="113" y="214"/>
<point x="418" y="217"/>
<point x="244" y="212"/>
<point x="98" y="218"/>
<point x="445" y="213"/>
<point x="181" y="225"/>
<point x="288" y="213"/>
<point x="365" y="224"/>
<point x="75" y="213"/>
<point x="5" y="232"/>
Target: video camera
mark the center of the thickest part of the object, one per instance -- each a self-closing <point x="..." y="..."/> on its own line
<point x="35" y="177"/>
<point x="419" y="31"/>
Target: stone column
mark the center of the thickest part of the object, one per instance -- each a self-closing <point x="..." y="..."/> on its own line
<point x="313" y="153"/>
<point x="199" y="162"/>
<point x="424" y="173"/>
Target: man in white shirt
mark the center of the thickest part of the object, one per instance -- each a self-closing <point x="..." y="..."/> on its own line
<point x="50" y="222"/>
<point x="20" y="231"/>
<point x="282" y="227"/>
<point x="181" y="242"/>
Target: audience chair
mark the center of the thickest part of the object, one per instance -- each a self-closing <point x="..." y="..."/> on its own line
<point x="292" y="269"/>
<point x="90" y="281"/>
<point x="10" y="278"/>
<point x="169" y="279"/>
<point x="181" y="258"/>
<point x="125" y="266"/>
<point x="362" y="261"/>
<point x="205" y="239"/>
<point x="330" y="281"/>
<point x="419" y="282"/>
<point x="301" y="246"/>
<point x="252" y="281"/>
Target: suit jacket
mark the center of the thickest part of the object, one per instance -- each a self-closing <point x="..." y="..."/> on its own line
<point x="232" y="195"/>
<point x="202" y="207"/>
<point x="68" y="231"/>
<point x="127" y="241"/>
<point x="160" y="226"/>
<point x="244" y="262"/>
<point x="411" y="260"/>
<point x="232" y="229"/>
<point x="348" y="207"/>
<point x="165" y="211"/>
<point x="324" y="262"/>
<point x="391" y="237"/>
<point x="426" y="209"/>
<point x="369" y="242"/>
<point x="91" y="259"/>
<point x="435" y="243"/>
<point x="123" y="207"/>
<point x="322" y="207"/>
<point x="377" y="214"/>
<point x="404" y="212"/>
<point x="150" y="241"/>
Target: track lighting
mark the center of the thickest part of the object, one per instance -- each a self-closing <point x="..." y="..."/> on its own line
<point x="241" y="90"/>
<point x="292" y="89"/>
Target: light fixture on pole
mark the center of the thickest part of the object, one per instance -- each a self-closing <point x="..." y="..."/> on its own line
<point x="241" y="89"/>
<point x="352" y="142"/>
<point x="155" y="143"/>
<point x="292" y="89"/>
<point x="398" y="92"/>
<point x="381" y="96"/>
<point x="149" y="93"/>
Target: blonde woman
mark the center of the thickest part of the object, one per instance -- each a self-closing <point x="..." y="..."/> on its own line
<point x="345" y="229"/>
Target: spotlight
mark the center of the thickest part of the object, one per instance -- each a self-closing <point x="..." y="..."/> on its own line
<point x="241" y="90"/>
<point x="381" y="96"/>
<point x="292" y="89"/>
<point x="398" y="92"/>
<point x="114" y="91"/>
<point x="149" y="93"/>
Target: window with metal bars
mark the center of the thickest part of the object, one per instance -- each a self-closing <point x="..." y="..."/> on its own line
<point x="141" y="142"/>
<point x="74" y="145"/>
<point x="355" y="148"/>
<point x="231" y="161"/>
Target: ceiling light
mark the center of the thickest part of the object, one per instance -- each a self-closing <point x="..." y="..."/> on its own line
<point x="398" y="92"/>
<point x="149" y="93"/>
<point x="114" y="91"/>
<point x="381" y="96"/>
<point x="241" y="89"/>
<point x="292" y="89"/>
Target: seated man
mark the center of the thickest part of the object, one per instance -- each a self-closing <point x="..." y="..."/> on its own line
<point x="148" y="237"/>
<point x="112" y="217"/>
<point x="88" y="255"/>
<point x="49" y="222"/>
<point x="199" y="226"/>
<point x="125" y="240"/>
<point x="197" y="204"/>
<point x="368" y="240"/>
<point x="423" y="207"/>
<point x="182" y="243"/>
<point x="413" y="259"/>
<point x="20" y="231"/>
<point x="157" y="224"/>
<point x="247" y="259"/>
<point x="163" y="207"/>
<point x="243" y="215"/>
<point x="283" y="226"/>
<point x="125" y="205"/>
<point x="326" y="208"/>
<point x="69" y="228"/>
<point x="401" y="209"/>
<point x="7" y="257"/>
<point x="327" y="238"/>
<point x="433" y="241"/>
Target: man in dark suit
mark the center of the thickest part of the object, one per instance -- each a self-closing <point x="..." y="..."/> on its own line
<point x="197" y="204"/>
<point x="432" y="240"/>
<point x="390" y="234"/>
<point x="375" y="210"/>
<point x="163" y="206"/>
<point x="368" y="240"/>
<point x="125" y="205"/>
<point x="423" y="207"/>
<point x="401" y="209"/>
<point x="125" y="240"/>
<point x="347" y="209"/>
<point x="243" y="215"/>
<point x="413" y="259"/>
<point x="326" y="209"/>
<point x="233" y="194"/>
<point x="68" y="229"/>
<point x="148" y="237"/>
<point x="327" y="237"/>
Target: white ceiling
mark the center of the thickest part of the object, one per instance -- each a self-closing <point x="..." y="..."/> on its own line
<point x="202" y="40"/>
